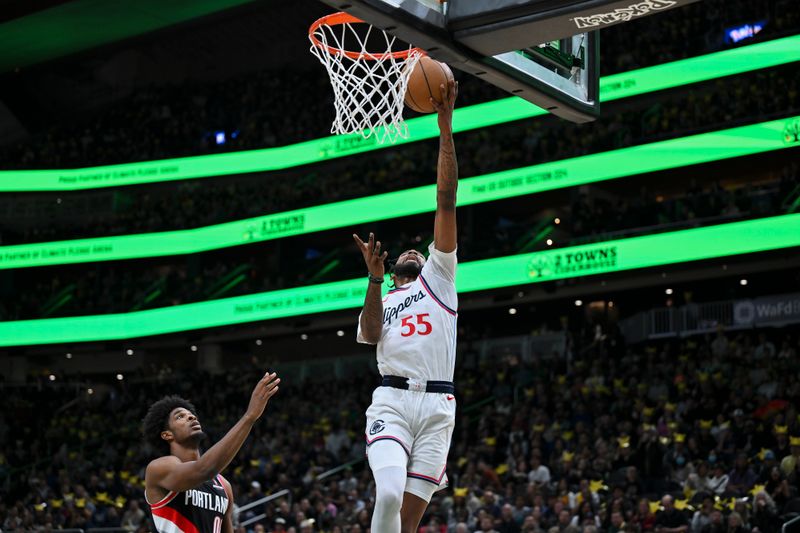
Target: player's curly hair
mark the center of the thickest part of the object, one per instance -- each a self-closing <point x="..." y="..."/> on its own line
<point x="392" y="263"/>
<point x="393" y="270"/>
<point x="157" y="420"/>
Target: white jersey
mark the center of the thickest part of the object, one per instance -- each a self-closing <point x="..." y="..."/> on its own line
<point x="418" y="339"/>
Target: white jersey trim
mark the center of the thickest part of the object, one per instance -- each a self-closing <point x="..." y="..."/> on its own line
<point x="435" y="298"/>
<point x="166" y="526"/>
<point x="163" y="501"/>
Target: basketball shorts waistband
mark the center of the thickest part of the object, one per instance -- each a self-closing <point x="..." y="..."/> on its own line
<point x="397" y="382"/>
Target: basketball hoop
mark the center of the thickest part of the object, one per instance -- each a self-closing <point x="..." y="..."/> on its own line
<point x="368" y="86"/>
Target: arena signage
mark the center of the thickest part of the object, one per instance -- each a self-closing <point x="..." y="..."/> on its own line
<point x="583" y="261"/>
<point x="791" y="132"/>
<point x="725" y="144"/>
<point x="624" y="85"/>
<point x="774" y="310"/>
<point x="599" y="258"/>
<point x="623" y="14"/>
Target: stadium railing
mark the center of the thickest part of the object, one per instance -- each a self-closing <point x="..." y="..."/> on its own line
<point x="258" y="502"/>
<point x="693" y="319"/>
<point x="792" y="526"/>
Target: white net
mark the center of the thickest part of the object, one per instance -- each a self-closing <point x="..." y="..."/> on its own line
<point x="368" y="87"/>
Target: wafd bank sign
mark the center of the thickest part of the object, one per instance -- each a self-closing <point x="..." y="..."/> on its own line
<point x="769" y="310"/>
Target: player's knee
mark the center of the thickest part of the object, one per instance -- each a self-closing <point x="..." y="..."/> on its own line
<point x="389" y="496"/>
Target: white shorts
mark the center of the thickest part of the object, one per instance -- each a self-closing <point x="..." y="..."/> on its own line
<point x="422" y="423"/>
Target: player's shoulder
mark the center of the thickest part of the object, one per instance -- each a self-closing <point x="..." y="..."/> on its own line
<point x="441" y="260"/>
<point x="223" y="480"/>
<point x="226" y="484"/>
<point x="434" y="252"/>
<point x="162" y="464"/>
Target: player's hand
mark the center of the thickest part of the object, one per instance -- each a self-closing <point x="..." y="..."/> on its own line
<point x="266" y="388"/>
<point x="445" y="109"/>
<point x="373" y="257"/>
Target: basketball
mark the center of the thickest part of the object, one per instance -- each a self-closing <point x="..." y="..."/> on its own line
<point x="424" y="83"/>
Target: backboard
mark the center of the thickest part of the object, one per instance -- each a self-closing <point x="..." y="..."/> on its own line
<point x="545" y="51"/>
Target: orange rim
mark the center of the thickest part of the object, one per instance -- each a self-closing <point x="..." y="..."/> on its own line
<point x="337" y="19"/>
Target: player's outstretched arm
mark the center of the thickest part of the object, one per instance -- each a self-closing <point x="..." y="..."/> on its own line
<point x="170" y="474"/>
<point x="371" y="321"/>
<point x="444" y="227"/>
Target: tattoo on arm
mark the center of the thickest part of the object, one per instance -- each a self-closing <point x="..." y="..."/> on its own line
<point x="447" y="175"/>
<point x="372" y="315"/>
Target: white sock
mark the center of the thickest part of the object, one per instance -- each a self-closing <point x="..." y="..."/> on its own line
<point x="390" y="482"/>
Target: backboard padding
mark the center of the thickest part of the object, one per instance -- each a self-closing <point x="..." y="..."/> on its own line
<point x="477" y="36"/>
<point x="501" y="25"/>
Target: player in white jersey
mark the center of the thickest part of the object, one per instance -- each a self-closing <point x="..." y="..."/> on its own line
<point x="410" y="421"/>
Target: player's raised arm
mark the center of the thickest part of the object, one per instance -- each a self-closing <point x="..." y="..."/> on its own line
<point x="371" y="321"/>
<point x="169" y="473"/>
<point x="444" y="228"/>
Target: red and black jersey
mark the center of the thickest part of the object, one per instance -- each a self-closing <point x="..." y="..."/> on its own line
<point x="197" y="510"/>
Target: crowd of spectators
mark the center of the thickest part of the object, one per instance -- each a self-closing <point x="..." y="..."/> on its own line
<point x="689" y="32"/>
<point x="717" y="105"/>
<point x="173" y="121"/>
<point x="161" y="282"/>
<point x="180" y="120"/>
<point x="700" y="434"/>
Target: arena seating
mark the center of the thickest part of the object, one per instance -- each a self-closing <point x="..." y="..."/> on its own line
<point x="600" y="443"/>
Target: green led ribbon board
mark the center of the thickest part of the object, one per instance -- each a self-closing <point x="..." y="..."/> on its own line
<point x="707" y="147"/>
<point x="624" y="85"/>
<point x="598" y="258"/>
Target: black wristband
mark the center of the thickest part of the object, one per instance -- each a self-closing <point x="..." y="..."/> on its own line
<point x="374" y="279"/>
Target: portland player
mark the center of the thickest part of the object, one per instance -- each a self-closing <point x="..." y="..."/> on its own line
<point x="411" y="419"/>
<point x="184" y="489"/>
